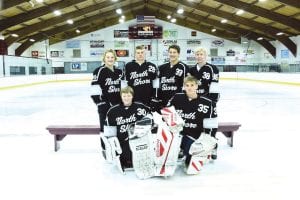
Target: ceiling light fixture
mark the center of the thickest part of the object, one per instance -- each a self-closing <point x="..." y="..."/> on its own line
<point x="70" y="21"/>
<point x="173" y="20"/>
<point x="213" y="30"/>
<point x="119" y="11"/>
<point x="223" y="21"/>
<point x="169" y="17"/>
<point x="260" y="38"/>
<point x="32" y="40"/>
<point x="239" y="12"/>
<point x="77" y="31"/>
<point x="15" y="35"/>
<point x="280" y="33"/>
<point x="180" y="11"/>
<point x="57" y="12"/>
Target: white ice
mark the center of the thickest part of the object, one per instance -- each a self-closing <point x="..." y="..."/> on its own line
<point x="263" y="163"/>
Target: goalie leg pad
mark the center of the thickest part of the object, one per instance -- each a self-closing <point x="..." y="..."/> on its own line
<point x="142" y="152"/>
<point x="195" y="164"/>
<point x="203" y="145"/>
<point x="110" y="148"/>
<point x="167" y="150"/>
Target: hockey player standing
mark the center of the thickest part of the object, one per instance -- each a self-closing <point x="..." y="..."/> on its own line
<point x="106" y="85"/>
<point x="119" y="120"/>
<point x="208" y="77"/>
<point x="199" y="114"/>
<point x="171" y="75"/>
<point x="140" y="75"/>
<point x="207" y="74"/>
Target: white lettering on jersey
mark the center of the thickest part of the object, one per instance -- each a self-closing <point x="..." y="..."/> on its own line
<point x="165" y="87"/>
<point x="122" y="120"/>
<point x="124" y="128"/>
<point x="190" y="125"/>
<point x="191" y="115"/>
<point x="141" y="111"/>
<point x="134" y="75"/>
<point x="203" y="108"/>
<point x="206" y="75"/>
<point x="151" y="69"/>
<point x="215" y="77"/>
<point x="179" y="72"/>
<point x="168" y="80"/>
<point x="140" y="82"/>
<point x="113" y="89"/>
<point x="109" y="81"/>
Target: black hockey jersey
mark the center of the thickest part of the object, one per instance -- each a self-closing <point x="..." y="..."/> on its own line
<point x="109" y="82"/>
<point x="171" y="80"/>
<point x="208" y="76"/>
<point x="124" y="116"/>
<point x="199" y="114"/>
<point x="140" y="78"/>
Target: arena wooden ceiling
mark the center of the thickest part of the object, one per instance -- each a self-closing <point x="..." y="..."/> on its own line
<point x="270" y="19"/>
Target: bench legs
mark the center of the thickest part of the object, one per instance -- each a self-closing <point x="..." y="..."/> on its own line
<point x="57" y="138"/>
<point x="229" y="136"/>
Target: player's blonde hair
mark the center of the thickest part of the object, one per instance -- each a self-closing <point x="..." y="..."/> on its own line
<point x="200" y="49"/>
<point x="189" y="79"/>
<point x="109" y="51"/>
<point x="127" y="90"/>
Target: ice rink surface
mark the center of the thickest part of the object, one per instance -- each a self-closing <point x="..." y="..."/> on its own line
<point x="263" y="163"/>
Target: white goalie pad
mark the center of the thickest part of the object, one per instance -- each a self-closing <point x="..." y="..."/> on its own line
<point x="141" y="145"/>
<point x="155" y="83"/>
<point x="95" y="90"/>
<point x="196" y="164"/>
<point x="172" y="118"/>
<point x="210" y="123"/>
<point x="203" y="146"/>
<point x="110" y="131"/>
<point x="111" y="149"/>
<point x="167" y="150"/>
<point x="214" y="87"/>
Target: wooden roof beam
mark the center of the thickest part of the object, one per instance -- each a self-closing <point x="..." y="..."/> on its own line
<point x="46" y="34"/>
<point x="5" y="4"/>
<point x="202" y="28"/>
<point x="242" y="32"/>
<point x="294" y="3"/>
<point x="18" y="19"/>
<point x="259" y="26"/>
<point x="288" y="21"/>
<point x="24" y="32"/>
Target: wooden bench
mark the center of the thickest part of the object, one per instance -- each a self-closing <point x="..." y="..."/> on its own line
<point x="61" y="131"/>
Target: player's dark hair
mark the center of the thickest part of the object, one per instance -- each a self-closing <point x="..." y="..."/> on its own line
<point x="174" y="46"/>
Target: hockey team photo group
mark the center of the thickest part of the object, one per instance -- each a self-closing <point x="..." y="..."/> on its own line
<point x="154" y="119"/>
